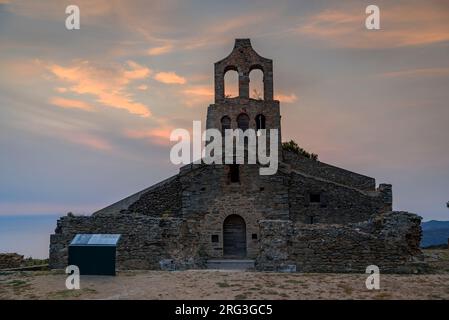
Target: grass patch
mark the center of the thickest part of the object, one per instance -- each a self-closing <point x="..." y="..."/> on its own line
<point x="223" y="284"/>
<point x="17" y="283"/>
<point x="346" y="289"/>
<point x="383" y="295"/>
<point x="18" y="286"/>
<point x="29" y="262"/>
<point x="255" y="289"/>
<point x="69" y="294"/>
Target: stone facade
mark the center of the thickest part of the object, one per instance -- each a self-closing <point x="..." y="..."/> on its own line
<point x="310" y="216"/>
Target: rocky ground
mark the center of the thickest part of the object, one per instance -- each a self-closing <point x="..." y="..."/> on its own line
<point x="204" y="284"/>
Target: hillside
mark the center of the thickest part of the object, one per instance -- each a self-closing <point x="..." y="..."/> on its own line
<point x="434" y="233"/>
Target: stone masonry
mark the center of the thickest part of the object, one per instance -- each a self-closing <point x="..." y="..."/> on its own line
<point x="310" y="216"/>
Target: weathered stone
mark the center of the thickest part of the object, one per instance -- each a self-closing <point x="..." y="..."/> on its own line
<point x="10" y="260"/>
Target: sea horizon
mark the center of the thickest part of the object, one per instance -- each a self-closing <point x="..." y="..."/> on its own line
<point x="27" y="235"/>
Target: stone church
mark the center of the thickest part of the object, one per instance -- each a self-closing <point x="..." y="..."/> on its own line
<point x="308" y="217"/>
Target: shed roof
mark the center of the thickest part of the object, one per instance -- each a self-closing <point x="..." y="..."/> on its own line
<point x="82" y="239"/>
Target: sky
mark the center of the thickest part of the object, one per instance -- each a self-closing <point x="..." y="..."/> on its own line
<point x="85" y="115"/>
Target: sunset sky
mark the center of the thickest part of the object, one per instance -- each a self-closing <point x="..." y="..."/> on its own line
<point x="85" y="115"/>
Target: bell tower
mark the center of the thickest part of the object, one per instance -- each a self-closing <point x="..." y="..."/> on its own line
<point x="242" y="111"/>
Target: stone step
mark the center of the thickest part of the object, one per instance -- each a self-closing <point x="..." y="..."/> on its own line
<point x="230" y="264"/>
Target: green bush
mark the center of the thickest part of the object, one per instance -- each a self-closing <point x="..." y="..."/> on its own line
<point x="295" y="148"/>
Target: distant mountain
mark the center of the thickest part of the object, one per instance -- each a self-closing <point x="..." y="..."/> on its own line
<point x="434" y="233"/>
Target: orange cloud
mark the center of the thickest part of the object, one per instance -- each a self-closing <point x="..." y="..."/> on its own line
<point x="286" y="98"/>
<point x="156" y="51"/>
<point x="424" y="72"/>
<point x="169" y="78"/>
<point x="107" y="84"/>
<point x="137" y="71"/>
<point x="158" y="135"/>
<point x="22" y="69"/>
<point x="420" y="24"/>
<point x="61" y="90"/>
<point x="198" y="96"/>
<point x="203" y="91"/>
<point x="69" y="103"/>
<point x="90" y="141"/>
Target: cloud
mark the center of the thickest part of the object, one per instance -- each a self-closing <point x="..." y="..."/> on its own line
<point x="169" y="78"/>
<point x="142" y="87"/>
<point x="23" y="69"/>
<point x="160" y="135"/>
<point x="202" y="91"/>
<point x="423" y="72"/>
<point x="70" y="103"/>
<point x="89" y="140"/>
<point x="345" y="27"/>
<point x="156" y="51"/>
<point x="53" y="9"/>
<point x="106" y="84"/>
<point x="40" y="208"/>
<point x="286" y="98"/>
<point x="137" y="71"/>
<point x="198" y="96"/>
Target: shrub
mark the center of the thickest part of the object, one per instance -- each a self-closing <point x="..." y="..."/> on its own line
<point x="295" y="148"/>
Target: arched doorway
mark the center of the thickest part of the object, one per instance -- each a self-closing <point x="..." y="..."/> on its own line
<point x="234" y="237"/>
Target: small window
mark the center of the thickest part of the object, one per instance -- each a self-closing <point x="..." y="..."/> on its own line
<point x="315" y="198"/>
<point x="225" y="124"/>
<point x="254" y="236"/>
<point x="234" y="173"/>
<point x="243" y="121"/>
<point x="214" y="238"/>
<point x="311" y="219"/>
<point x="260" y="121"/>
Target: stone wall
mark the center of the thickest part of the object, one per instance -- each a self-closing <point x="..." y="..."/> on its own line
<point x="233" y="107"/>
<point x="10" y="260"/>
<point x="146" y="242"/>
<point x="208" y="197"/>
<point x="338" y="203"/>
<point x="165" y="200"/>
<point x="390" y="241"/>
<point x="199" y="199"/>
<point x="243" y="59"/>
<point x="326" y="171"/>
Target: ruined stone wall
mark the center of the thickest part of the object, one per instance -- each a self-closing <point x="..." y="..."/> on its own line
<point x="391" y="241"/>
<point x="144" y="244"/>
<point x="338" y="204"/>
<point x="10" y="260"/>
<point x="328" y="172"/>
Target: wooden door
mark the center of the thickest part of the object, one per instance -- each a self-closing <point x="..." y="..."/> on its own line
<point x="234" y="237"/>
